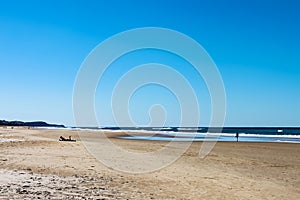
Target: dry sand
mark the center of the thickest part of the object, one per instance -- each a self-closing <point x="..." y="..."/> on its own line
<point x="35" y="165"/>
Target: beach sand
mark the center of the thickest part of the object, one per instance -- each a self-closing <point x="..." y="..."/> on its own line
<point x="35" y="165"/>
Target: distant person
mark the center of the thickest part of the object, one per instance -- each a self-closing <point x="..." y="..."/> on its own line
<point x="237" y="136"/>
<point x="61" y="138"/>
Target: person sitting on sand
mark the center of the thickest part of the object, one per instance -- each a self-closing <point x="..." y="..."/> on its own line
<point x="61" y="138"/>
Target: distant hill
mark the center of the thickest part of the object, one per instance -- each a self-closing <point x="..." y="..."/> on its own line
<point x="32" y="124"/>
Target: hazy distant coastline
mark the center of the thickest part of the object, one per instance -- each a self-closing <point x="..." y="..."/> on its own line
<point x="30" y="124"/>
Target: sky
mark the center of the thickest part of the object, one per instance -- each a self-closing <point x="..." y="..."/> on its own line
<point x="255" y="45"/>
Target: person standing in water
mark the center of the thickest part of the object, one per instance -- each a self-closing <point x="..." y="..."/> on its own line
<point x="237" y="136"/>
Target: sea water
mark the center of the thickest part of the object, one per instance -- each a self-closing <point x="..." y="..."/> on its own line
<point x="215" y="137"/>
<point x="225" y="134"/>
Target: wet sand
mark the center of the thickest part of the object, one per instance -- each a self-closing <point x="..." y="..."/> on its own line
<point x="34" y="164"/>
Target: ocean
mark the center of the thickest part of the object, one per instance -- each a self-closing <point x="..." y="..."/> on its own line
<point x="225" y="134"/>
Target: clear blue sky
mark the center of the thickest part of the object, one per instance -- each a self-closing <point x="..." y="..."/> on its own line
<point x="254" y="43"/>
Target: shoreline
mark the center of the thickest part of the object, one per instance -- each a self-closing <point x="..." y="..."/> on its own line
<point x="169" y="136"/>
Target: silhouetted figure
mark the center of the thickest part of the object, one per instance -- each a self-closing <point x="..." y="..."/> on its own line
<point x="61" y="138"/>
<point x="237" y="136"/>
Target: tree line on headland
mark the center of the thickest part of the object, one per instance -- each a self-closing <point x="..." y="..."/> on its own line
<point x="31" y="124"/>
